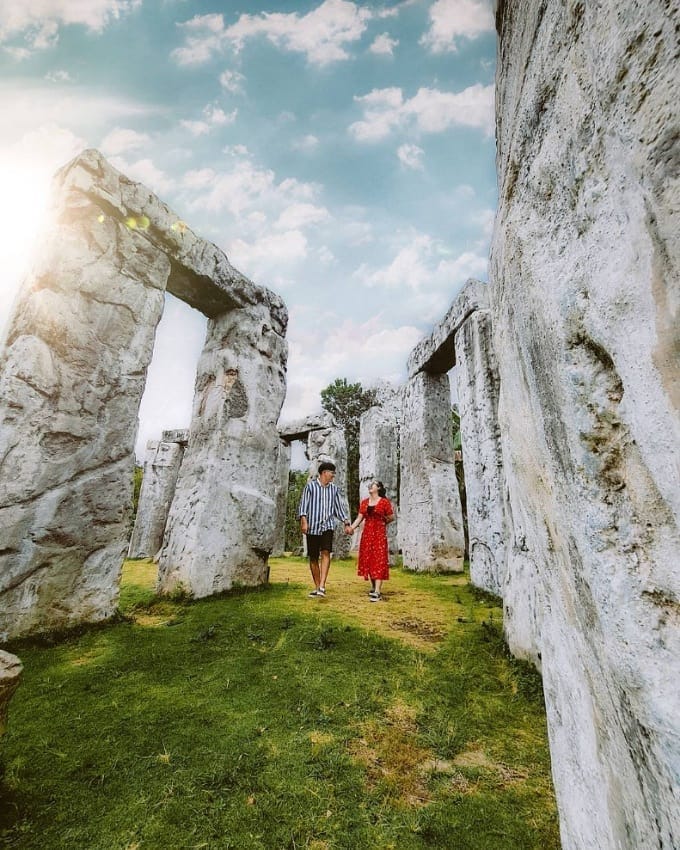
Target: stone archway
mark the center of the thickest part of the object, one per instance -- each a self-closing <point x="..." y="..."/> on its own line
<point x="325" y="441"/>
<point x="72" y="374"/>
<point x="431" y="521"/>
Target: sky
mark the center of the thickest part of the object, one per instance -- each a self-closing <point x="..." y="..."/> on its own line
<point x="340" y="153"/>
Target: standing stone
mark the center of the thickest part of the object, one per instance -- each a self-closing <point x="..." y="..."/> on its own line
<point x="223" y="519"/>
<point x="161" y="468"/>
<point x="478" y="389"/>
<point x="10" y="676"/>
<point x="71" y="379"/>
<point x="379" y="455"/>
<point x="283" y="470"/>
<point x="585" y="276"/>
<point x="329" y="444"/>
<point x="430" y="514"/>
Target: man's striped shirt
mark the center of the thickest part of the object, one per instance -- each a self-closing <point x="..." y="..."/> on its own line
<point x="322" y="506"/>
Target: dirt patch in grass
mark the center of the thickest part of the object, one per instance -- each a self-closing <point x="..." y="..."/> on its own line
<point x="416" y="617"/>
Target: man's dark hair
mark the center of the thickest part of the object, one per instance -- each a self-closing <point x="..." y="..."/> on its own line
<point x="326" y="464"/>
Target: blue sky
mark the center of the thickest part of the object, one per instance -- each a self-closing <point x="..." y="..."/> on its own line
<point x="341" y="153"/>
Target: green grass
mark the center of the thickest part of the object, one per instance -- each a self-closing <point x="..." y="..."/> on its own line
<point x="262" y="719"/>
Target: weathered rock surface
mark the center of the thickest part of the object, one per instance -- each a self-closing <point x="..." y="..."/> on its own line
<point x="379" y="454"/>
<point x="478" y="389"/>
<point x="223" y="519"/>
<point x="329" y="444"/>
<point x="436" y="353"/>
<point x="585" y="279"/>
<point x="283" y="468"/>
<point x="161" y="468"/>
<point x="430" y="517"/>
<point x="71" y="378"/>
<point x="10" y="676"/>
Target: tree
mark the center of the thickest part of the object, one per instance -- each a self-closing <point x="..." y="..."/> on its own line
<point x="296" y="484"/>
<point x="346" y="402"/>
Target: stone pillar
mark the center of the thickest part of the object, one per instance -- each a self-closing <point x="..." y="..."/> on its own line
<point x="161" y="468"/>
<point x="379" y="459"/>
<point x="283" y="470"/>
<point x="585" y="286"/>
<point x="329" y="444"/>
<point x="10" y="675"/>
<point x="478" y="388"/>
<point x="430" y="514"/>
<point x="71" y="380"/>
<point x="223" y="520"/>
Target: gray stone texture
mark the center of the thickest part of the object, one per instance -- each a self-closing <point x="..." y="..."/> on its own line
<point x="161" y="468"/>
<point x="329" y="444"/>
<point x="478" y="389"/>
<point x="71" y="378"/>
<point x="10" y="676"/>
<point x="223" y="519"/>
<point x="282" y="471"/>
<point x="430" y="517"/>
<point x="437" y="353"/>
<point x="379" y="455"/>
<point x="585" y="280"/>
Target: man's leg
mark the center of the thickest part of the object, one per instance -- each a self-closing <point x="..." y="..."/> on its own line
<point x="314" y="569"/>
<point x="325" y="562"/>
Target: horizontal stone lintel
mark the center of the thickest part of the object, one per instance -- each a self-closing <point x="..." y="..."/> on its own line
<point x="201" y="274"/>
<point x="436" y="353"/>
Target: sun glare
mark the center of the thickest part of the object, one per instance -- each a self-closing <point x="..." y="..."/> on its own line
<point x="22" y="215"/>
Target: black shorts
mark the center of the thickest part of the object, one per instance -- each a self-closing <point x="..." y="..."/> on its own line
<point x="317" y="543"/>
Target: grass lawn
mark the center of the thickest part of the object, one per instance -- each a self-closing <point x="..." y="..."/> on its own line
<point x="265" y="719"/>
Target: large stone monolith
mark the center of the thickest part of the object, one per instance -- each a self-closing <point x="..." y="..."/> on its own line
<point x="379" y="453"/>
<point x="585" y="277"/>
<point x="430" y="515"/>
<point x="478" y="388"/>
<point x="72" y="375"/>
<point x="11" y="669"/>
<point x="161" y="468"/>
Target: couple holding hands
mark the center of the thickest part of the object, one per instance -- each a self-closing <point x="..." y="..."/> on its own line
<point x="321" y="505"/>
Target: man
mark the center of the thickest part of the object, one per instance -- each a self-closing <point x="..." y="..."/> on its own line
<point x="320" y="506"/>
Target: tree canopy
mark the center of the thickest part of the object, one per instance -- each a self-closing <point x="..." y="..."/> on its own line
<point x="346" y="402"/>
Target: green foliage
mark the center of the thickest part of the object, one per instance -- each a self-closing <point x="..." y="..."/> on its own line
<point x="460" y="475"/>
<point x="296" y="483"/>
<point x="262" y="720"/>
<point x="346" y="402"/>
<point x="138" y="475"/>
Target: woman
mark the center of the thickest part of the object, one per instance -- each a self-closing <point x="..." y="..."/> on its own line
<point x="377" y="513"/>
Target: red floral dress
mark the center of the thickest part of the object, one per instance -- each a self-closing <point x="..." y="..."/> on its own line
<point x="373" y="550"/>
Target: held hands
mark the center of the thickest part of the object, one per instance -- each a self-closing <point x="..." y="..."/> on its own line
<point x="348" y="529"/>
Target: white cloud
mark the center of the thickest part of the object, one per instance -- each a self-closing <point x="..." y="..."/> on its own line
<point x="422" y="264"/>
<point x="120" y="140"/>
<point x="429" y="110"/>
<point x="259" y="259"/>
<point x="321" y="35"/>
<point x="306" y="143"/>
<point x="411" y="156"/>
<point x="384" y="45"/>
<point x="232" y="81"/>
<point x="59" y="76"/>
<point x="301" y="215"/>
<point x="62" y="106"/>
<point x="452" y="20"/>
<point x="144" y="171"/>
<point x="196" y="128"/>
<point x="38" y="21"/>
<point x="246" y="188"/>
<point x="215" y="115"/>
<point x="369" y="351"/>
